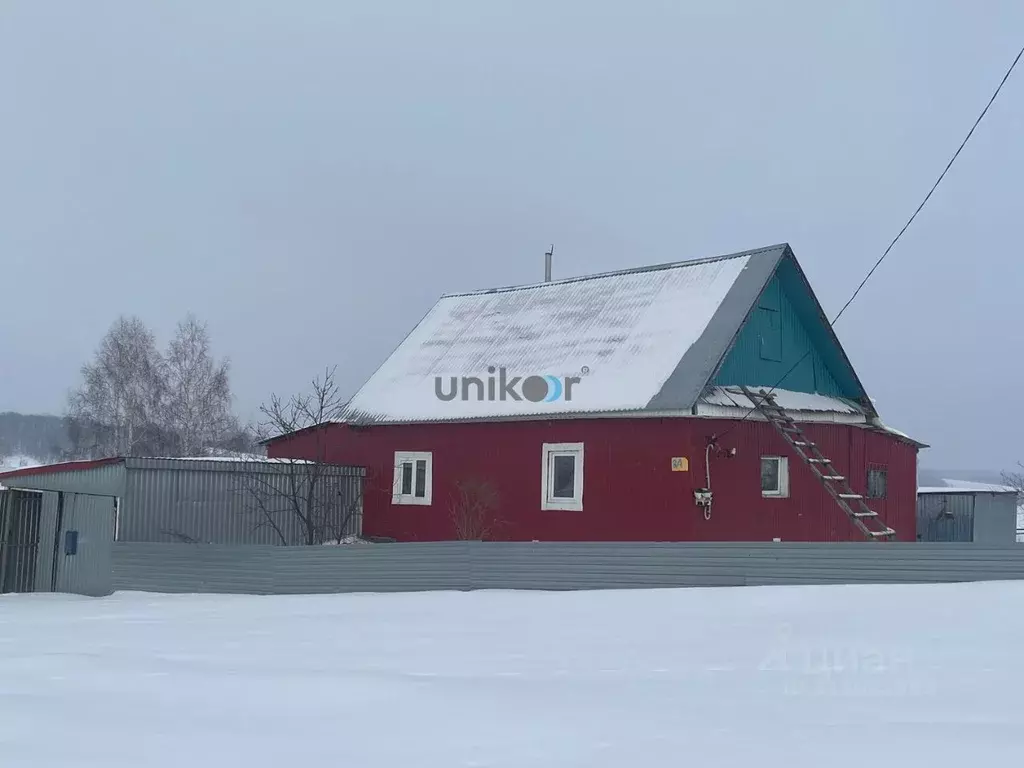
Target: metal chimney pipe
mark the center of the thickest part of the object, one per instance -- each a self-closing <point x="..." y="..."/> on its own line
<point x="547" y="263"/>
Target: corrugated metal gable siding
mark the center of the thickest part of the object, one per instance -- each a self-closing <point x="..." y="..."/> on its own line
<point x="745" y="364"/>
<point x="105" y="480"/>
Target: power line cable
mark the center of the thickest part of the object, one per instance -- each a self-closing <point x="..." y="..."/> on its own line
<point x="906" y="226"/>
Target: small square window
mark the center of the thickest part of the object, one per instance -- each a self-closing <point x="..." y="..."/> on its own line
<point x="774" y="476"/>
<point x="562" y="476"/>
<point x="877" y="481"/>
<point x="413" y="477"/>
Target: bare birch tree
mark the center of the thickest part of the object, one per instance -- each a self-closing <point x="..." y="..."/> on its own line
<point x="135" y="401"/>
<point x="116" y="407"/>
<point x="197" y="402"/>
<point x="304" y="499"/>
<point x="1015" y="480"/>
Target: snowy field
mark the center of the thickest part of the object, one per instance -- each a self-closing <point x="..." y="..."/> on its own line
<point x="790" y="676"/>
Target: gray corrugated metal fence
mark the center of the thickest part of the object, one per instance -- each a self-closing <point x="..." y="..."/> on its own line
<point x="550" y="566"/>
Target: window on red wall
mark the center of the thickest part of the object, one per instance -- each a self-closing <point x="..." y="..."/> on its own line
<point x="413" y="477"/>
<point x="774" y="476"/>
<point x="562" y="476"/>
<point x="877" y="481"/>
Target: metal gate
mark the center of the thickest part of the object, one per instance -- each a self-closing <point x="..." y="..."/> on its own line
<point x="20" y="514"/>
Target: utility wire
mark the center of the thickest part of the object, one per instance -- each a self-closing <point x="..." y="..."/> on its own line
<point x="906" y="226"/>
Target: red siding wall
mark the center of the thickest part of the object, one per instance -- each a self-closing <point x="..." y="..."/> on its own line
<point x="630" y="492"/>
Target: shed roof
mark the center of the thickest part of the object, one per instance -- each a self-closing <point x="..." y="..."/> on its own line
<point x="647" y="339"/>
<point x="965" y="486"/>
<point x="68" y="469"/>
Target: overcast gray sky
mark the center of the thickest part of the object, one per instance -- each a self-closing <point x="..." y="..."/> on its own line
<point x="309" y="176"/>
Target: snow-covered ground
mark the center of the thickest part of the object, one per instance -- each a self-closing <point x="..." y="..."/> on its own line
<point x="789" y="676"/>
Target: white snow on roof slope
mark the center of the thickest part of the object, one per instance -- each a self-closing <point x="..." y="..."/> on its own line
<point x="253" y="458"/>
<point x="966" y="486"/>
<point x="976" y="486"/>
<point x="625" y="332"/>
<point x="787" y="399"/>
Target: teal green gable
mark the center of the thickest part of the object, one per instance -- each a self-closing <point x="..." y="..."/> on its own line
<point x="783" y="327"/>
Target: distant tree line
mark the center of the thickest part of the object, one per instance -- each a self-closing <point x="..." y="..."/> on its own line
<point x="38" y="436"/>
<point x="136" y="400"/>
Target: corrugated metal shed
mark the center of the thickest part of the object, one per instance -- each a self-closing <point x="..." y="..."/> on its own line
<point x="983" y="514"/>
<point x="207" y="500"/>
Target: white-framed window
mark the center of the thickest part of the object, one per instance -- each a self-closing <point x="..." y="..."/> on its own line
<point x="775" y="476"/>
<point x="561" y="484"/>
<point x="414" y="475"/>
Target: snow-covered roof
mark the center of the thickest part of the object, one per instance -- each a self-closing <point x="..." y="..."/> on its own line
<point x="240" y="463"/>
<point x="788" y="400"/>
<point x="643" y="339"/>
<point x="252" y="458"/>
<point x="966" y="486"/>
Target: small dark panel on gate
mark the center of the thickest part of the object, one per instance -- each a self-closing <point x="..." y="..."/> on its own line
<point x="71" y="542"/>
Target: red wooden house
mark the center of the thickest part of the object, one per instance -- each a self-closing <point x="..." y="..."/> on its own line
<point x="600" y="407"/>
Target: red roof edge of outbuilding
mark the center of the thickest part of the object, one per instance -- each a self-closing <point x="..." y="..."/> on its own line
<point x="303" y="431"/>
<point x="67" y="466"/>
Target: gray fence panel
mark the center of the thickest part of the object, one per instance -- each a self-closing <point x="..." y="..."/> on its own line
<point x="211" y="568"/>
<point x="547" y="566"/>
<point x="372" y="568"/>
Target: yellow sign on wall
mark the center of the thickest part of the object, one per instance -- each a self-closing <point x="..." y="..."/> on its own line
<point x="680" y="464"/>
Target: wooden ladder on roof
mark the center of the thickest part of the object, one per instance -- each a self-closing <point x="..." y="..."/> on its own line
<point x="865" y="519"/>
